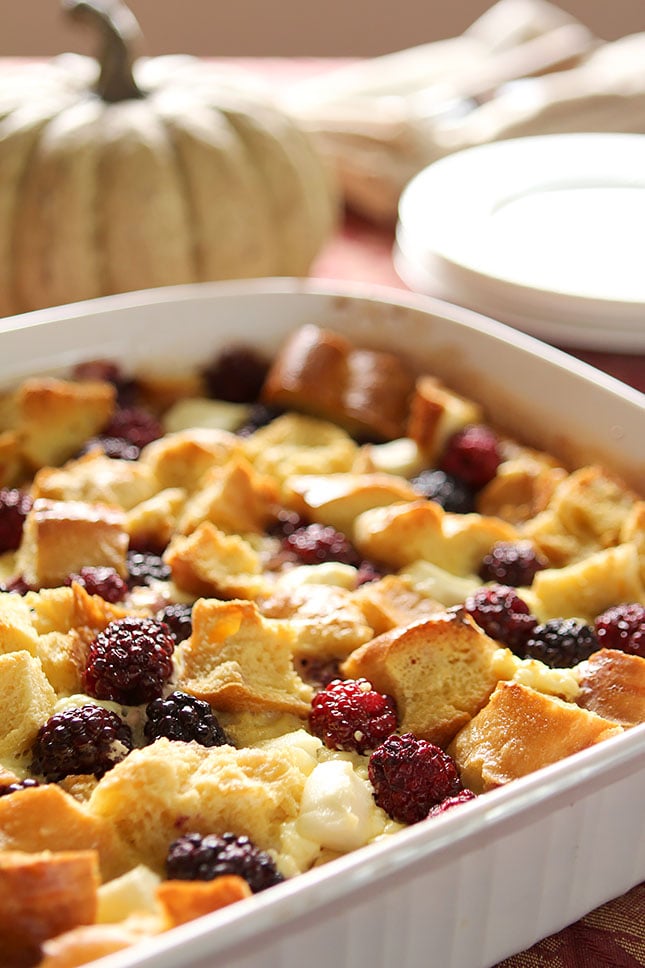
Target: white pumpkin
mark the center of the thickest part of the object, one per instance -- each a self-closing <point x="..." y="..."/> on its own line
<point x="119" y="174"/>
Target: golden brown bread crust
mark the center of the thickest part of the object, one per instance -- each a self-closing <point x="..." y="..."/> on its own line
<point x="520" y="731"/>
<point x="437" y="412"/>
<point x="322" y="373"/>
<point x="612" y="684"/>
<point x="42" y="895"/>
<point x="184" y="901"/>
<point x="46" y="818"/>
<point x="440" y="670"/>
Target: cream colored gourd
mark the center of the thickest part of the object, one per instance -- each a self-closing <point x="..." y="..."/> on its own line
<point x="119" y="174"/>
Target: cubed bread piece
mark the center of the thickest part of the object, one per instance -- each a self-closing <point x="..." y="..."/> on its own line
<point x="182" y="458"/>
<point x="87" y="943"/>
<point x="588" y="587"/>
<point x="152" y="523"/>
<point x="184" y="901"/>
<point x="97" y="479"/>
<point x="338" y="499"/>
<point x="160" y="391"/>
<point x="17" y="630"/>
<point x="296" y="444"/>
<point x="326" y="619"/>
<point x="521" y="488"/>
<point x="236" y="659"/>
<point x="519" y="731"/>
<point x="72" y="609"/>
<point x="436" y="413"/>
<point x="61" y="537"/>
<point x="322" y="373"/>
<point x="393" y="601"/>
<point x="586" y="514"/>
<point x="168" y="788"/>
<point x="54" y="418"/>
<point x="42" y="895"/>
<point x="235" y="498"/>
<point x="400" y="534"/>
<point x="210" y="562"/>
<point x="11" y="459"/>
<point x="440" y="671"/>
<point x="47" y="818"/>
<point x="27" y="699"/>
<point x="633" y="531"/>
<point x="612" y="684"/>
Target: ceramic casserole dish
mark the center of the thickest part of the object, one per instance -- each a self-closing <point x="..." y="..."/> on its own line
<point x="478" y="884"/>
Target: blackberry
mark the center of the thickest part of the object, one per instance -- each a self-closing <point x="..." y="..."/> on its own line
<point x="367" y="572"/>
<point x="503" y="615"/>
<point x="316" y="543"/>
<point x="178" y="616"/>
<point x="410" y="776"/>
<point x="85" y="739"/>
<point x="513" y="563"/>
<point x="135" y="425"/>
<point x="561" y="643"/>
<point x="473" y="455"/>
<point x="445" y="489"/>
<point x="105" y="582"/>
<point x="195" y="857"/>
<point x="15" y="505"/>
<point x="462" y="797"/>
<point x="350" y="715"/>
<point x="236" y="374"/>
<point x="145" y="567"/>
<point x="130" y="661"/>
<point x="622" y="627"/>
<point x="183" y="717"/>
<point x="27" y="784"/>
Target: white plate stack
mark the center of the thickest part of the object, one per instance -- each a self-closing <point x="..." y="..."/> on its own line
<point x="544" y="233"/>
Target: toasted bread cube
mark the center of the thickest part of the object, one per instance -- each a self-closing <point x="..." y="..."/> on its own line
<point x="235" y="498"/>
<point x="184" y="901"/>
<point x="440" y="670"/>
<point x="182" y="458"/>
<point x="612" y="684"/>
<point x="586" y="588"/>
<point x="519" y="731"/>
<point x="338" y="499"/>
<point x="236" y="659"/>
<point x="56" y="417"/>
<point x="61" y="537"/>
<point x="436" y="413"/>
<point x="326" y="619"/>
<point x="11" y="459"/>
<point x="324" y="374"/>
<point x="393" y="601"/>
<point x="47" y="818"/>
<point x="26" y="699"/>
<point x="297" y="444"/>
<point x="402" y="533"/>
<point x="153" y="522"/>
<point x="42" y="895"/>
<point x="97" y="479"/>
<point x="209" y="562"/>
<point x="88" y="943"/>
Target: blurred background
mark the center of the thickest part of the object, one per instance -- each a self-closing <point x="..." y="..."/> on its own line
<point x="288" y="27"/>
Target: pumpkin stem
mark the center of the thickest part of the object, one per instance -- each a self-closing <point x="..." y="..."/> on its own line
<point x="119" y="32"/>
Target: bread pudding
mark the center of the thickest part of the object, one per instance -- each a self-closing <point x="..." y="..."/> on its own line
<point x="257" y="618"/>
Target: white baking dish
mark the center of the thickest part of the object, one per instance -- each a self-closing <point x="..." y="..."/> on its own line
<point x="471" y="887"/>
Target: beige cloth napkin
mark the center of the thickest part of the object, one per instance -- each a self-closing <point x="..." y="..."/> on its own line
<point x="525" y="67"/>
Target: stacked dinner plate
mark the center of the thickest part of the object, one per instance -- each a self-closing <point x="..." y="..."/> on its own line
<point x="544" y="233"/>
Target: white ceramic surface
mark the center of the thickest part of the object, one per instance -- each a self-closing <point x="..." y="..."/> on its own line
<point x="478" y="884"/>
<point x="543" y="232"/>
